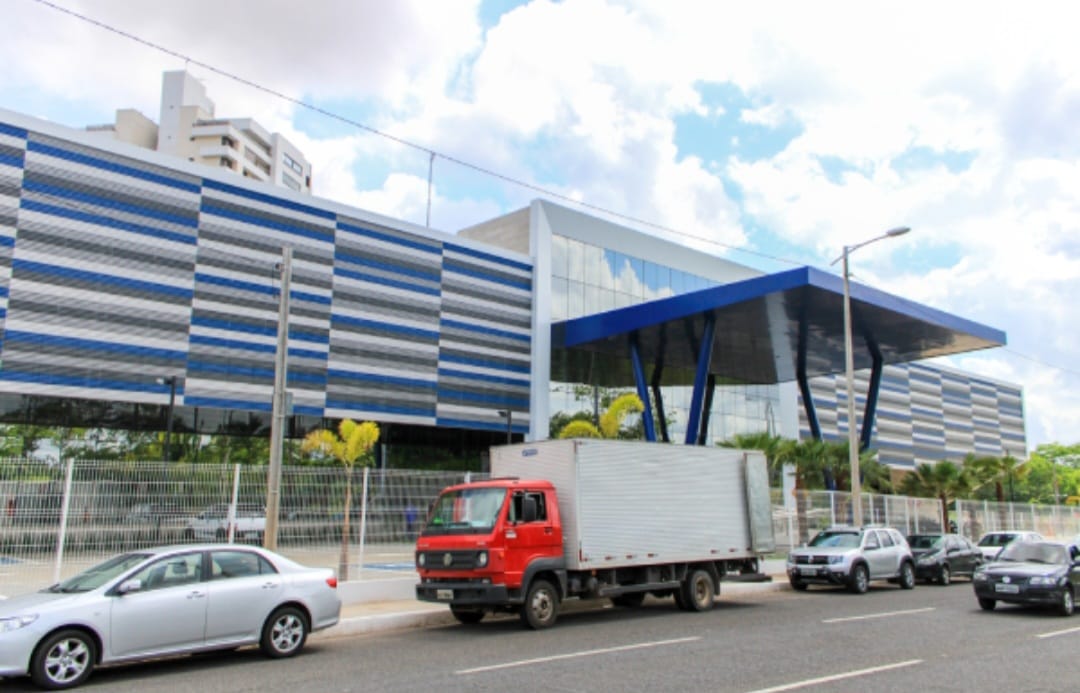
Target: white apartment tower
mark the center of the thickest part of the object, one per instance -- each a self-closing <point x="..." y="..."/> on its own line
<point x="187" y="128"/>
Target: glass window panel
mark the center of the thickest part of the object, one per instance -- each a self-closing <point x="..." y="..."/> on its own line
<point x="594" y="256"/>
<point x="609" y="268"/>
<point x="593" y="302"/>
<point x="575" y="260"/>
<point x="678" y="285"/>
<point x="559" y="299"/>
<point x="559" y="256"/>
<point x="575" y="294"/>
<point x="652" y="287"/>
<point x="607" y="299"/>
<point x="663" y="281"/>
<point x="637" y="268"/>
<point x="622" y="300"/>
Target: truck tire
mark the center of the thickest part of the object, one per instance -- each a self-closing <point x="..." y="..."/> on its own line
<point x="541" y="606"/>
<point x="859" y="581"/>
<point x="466" y="615"/>
<point x="698" y="590"/>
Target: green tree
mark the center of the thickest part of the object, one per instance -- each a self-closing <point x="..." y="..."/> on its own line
<point x="943" y="480"/>
<point x="1002" y="472"/>
<point x="778" y="450"/>
<point x="351" y="443"/>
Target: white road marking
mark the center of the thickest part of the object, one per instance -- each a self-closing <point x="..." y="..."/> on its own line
<point x="884" y="614"/>
<point x="837" y="677"/>
<point x="1058" y="632"/>
<point x="573" y="655"/>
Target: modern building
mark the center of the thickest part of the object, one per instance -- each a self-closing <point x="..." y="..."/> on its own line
<point x="187" y="128"/>
<point x="123" y="269"/>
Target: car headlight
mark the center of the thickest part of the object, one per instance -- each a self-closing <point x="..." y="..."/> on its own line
<point x="929" y="559"/>
<point x="16" y="622"/>
<point x="482" y="559"/>
<point x="836" y="560"/>
<point x="979" y="576"/>
<point x="1044" y="580"/>
<point x="421" y="560"/>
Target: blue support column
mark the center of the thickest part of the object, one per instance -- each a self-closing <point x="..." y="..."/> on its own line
<point x="871" y="397"/>
<point x="693" y="423"/>
<point x="706" y="410"/>
<point x="804" y="383"/>
<point x="642" y="389"/>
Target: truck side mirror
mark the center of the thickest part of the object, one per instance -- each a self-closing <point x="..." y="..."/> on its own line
<point x="528" y="509"/>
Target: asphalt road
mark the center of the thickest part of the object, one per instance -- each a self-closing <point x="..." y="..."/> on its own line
<point x="928" y="639"/>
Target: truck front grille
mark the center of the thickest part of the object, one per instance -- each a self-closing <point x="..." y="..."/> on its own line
<point x="450" y="560"/>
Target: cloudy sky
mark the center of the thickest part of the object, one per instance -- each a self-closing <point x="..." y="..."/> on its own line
<point x="772" y="135"/>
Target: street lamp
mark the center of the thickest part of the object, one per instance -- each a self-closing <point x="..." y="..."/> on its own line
<point x="509" y="423"/>
<point x="171" y="382"/>
<point x="849" y="372"/>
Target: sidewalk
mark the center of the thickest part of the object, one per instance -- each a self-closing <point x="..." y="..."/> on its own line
<point x="371" y="606"/>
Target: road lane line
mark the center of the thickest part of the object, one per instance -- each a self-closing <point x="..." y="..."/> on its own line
<point x="838" y="677"/>
<point x="574" y="655"/>
<point x="1052" y="634"/>
<point x="884" y="614"/>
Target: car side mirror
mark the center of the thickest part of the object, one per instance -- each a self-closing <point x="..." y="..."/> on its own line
<point x="132" y="585"/>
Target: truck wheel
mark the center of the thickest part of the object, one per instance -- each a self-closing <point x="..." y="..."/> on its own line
<point x="907" y="576"/>
<point x="467" y="616"/>
<point x="679" y="600"/>
<point x="632" y="600"/>
<point x="63" y="661"/>
<point x="541" y="606"/>
<point x="698" y="591"/>
<point x="859" y="582"/>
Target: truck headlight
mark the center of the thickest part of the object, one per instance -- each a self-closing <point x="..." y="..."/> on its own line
<point x="421" y="560"/>
<point x="482" y="559"/>
<point x="16" y="622"/>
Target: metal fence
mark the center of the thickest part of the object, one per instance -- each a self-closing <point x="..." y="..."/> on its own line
<point x="56" y="519"/>
<point x="796" y="519"/>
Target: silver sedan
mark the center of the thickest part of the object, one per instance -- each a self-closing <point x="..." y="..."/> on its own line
<point x="165" y="601"/>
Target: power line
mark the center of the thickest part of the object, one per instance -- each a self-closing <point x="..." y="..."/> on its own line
<point x="412" y="145"/>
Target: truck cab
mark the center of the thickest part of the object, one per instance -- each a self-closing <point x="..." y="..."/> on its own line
<point x="485" y="542"/>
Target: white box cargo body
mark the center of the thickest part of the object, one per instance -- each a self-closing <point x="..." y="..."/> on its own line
<point x="632" y="503"/>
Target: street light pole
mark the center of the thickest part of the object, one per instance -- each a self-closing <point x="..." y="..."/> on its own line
<point x="849" y="373"/>
<point x="509" y="424"/>
<point x="171" y="382"/>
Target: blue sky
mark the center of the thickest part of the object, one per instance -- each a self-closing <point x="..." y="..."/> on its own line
<point x="785" y="129"/>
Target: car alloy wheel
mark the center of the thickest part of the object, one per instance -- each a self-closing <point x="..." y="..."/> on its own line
<point x="63" y="661"/>
<point x="1066" y="605"/>
<point x="946" y="575"/>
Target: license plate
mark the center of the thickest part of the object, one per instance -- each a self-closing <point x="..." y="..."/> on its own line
<point x="444" y="595"/>
<point x="1007" y="589"/>
<point x="806" y="570"/>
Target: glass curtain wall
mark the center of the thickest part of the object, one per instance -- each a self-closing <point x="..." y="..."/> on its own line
<point x="588" y="279"/>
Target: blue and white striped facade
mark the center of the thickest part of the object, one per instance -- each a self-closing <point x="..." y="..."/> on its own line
<point x="926" y="413"/>
<point x="119" y="267"/>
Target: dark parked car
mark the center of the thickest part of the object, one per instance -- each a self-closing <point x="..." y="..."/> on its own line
<point x="941" y="557"/>
<point x="1042" y="573"/>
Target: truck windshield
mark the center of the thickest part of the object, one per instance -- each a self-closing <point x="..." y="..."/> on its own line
<point x="466" y="511"/>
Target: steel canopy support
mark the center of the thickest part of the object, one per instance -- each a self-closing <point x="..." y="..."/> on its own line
<point x="642" y="389"/>
<point x="658" y="397"/>
<point x="706" y="410"/>
<point x="871" y="396"/>
<point x="701" y="379"/>
<point x="804" y="383"/>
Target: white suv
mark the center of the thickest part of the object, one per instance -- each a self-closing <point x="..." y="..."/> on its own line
<point x="853" y="557"/>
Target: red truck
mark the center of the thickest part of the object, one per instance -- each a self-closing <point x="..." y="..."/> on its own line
<point x="595" y="519"/>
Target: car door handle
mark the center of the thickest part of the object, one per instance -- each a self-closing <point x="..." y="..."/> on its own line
<point x="196" y="595"/>
<point x="270" y="586"/>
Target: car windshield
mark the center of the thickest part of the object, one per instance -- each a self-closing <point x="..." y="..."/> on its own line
<point x="466" y="511"/>
<point x="100" y="574"/>
<point x="997" y="539"/>
<point x="1027" y="552"/>
<point x="846" y="540"/>
<point x="925" y="541"/>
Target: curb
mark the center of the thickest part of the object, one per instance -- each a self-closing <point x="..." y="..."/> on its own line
<point x="405" y="620"/>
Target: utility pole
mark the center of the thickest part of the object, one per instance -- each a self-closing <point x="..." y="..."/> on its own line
<point x="277" y="420"/>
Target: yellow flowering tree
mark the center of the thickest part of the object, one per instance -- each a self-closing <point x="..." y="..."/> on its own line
<point x="350" y="443"/>
<point x="610" y="421"/>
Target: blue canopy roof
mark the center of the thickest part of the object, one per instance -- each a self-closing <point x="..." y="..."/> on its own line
<point x="762" y="325"/>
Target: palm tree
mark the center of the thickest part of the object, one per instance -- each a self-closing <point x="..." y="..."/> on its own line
<point x="944" y="480"/>
<point x="999" y="471"/>
<point x="352" y="442"/>
<point x="778" y="450"/>
<point x="610" y="421"/>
